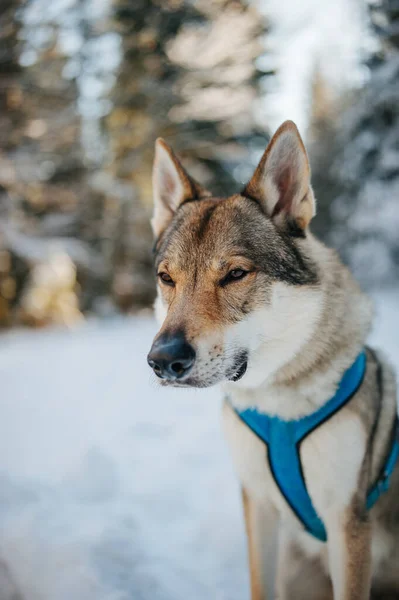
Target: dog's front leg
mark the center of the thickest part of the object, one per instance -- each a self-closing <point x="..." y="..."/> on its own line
<point x="261" y="527"/>
<point x="349" y="553"/>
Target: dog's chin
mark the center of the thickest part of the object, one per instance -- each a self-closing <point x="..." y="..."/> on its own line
<point x="188" y="383"/>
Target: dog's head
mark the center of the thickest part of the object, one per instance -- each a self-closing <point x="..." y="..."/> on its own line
<point x="238" y="293"/>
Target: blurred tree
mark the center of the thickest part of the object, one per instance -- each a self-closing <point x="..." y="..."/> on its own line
<point x="53" y="203"/>
<point x="187" y="74"/>
<point x="357" y="167"/>
<point x="11" y="121"/>
<point x="85" y="88"/>
<point x="42" y="176"/>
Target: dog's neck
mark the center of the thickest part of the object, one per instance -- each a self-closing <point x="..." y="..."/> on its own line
<point x="314" y="368"/>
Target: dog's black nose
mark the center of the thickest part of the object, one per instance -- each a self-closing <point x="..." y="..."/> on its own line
<point x="171" y="357"/>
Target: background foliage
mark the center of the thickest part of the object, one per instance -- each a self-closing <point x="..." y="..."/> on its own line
<point x="86" y="86"/>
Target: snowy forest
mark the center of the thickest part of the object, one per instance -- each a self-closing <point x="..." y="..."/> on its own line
<point x="110" y="488"/>
<point x="87" y="85"/>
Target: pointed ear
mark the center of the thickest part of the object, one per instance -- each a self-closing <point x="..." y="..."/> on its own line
<point x="171" y="186"/>
<point x="281" y="182"/>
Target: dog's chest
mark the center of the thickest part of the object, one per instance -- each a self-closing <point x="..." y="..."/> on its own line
<point x="331" y="459"/>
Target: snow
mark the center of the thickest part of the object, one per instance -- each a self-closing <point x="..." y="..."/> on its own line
<point x="112" y="488"/>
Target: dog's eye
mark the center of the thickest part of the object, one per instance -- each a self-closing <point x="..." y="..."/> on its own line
<point x="165" y="278"/>
<point x="237" y="274"/>
<point x="234" y="275"/>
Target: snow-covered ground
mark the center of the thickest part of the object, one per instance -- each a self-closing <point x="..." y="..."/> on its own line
<point x="111" y="488"/>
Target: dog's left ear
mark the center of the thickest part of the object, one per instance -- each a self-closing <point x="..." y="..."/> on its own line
<point x="281" y="182"/>
<point x="171" y="186"/>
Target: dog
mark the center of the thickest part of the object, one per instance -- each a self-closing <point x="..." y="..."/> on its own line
<point x="250" y="300"/>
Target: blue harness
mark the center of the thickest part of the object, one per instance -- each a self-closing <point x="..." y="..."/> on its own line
<point x="283" y="439"/>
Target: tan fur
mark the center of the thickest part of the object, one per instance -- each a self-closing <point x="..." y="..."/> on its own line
<point x="254" y="553"/>
<point x="356" y="564"/>
<point x="300" y="319"/>
<point x="202" y="306"/>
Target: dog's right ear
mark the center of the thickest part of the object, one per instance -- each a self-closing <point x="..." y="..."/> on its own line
<point x="171" y="186"/>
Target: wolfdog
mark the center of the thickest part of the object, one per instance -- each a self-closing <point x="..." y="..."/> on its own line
<point x="249" y="299"/>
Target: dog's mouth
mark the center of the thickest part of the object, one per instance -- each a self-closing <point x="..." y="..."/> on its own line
<point x="240" y="368"/>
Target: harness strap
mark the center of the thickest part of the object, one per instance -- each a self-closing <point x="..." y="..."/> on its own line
<point x="283" y="439"/>
<point x="382" y="484"/>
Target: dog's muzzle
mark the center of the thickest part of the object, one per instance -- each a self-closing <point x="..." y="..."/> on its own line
<point x="171" y="358"/>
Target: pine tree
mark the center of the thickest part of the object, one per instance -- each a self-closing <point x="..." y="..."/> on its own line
<point x="84" y="94"/>
<point x="364" y="164"/>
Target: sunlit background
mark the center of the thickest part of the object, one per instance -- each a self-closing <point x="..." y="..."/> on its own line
<point x="110" y="488"/>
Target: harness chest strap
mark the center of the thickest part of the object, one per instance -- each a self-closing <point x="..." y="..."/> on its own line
<point x="283" y="439"/>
